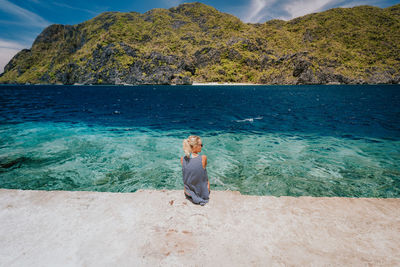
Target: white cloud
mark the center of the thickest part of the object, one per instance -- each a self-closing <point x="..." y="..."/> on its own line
<point x="75" y="8"/>
<point x="262" y="10"/>
<point x="357" y="3"/>
<point x="10" y="44"/>
<point x="303" y="7"/>
<point x="8" y="49"/>
<point x="254" y="13"/>
<point x="27" y="17"/>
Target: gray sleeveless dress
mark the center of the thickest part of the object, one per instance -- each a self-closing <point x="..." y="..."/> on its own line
<point x="195" y="179"/>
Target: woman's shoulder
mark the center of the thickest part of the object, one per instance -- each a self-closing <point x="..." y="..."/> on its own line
<point x="204" y="161"/>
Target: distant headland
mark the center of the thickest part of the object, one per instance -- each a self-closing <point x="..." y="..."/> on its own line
<point x="195" y="43"/>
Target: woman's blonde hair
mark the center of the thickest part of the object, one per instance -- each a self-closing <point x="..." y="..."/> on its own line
<point x="189" y="143"/>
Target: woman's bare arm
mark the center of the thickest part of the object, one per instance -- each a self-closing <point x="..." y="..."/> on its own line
<point x="204" y="161"/>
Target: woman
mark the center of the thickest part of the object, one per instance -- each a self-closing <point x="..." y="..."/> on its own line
<point x="195" y="178"/>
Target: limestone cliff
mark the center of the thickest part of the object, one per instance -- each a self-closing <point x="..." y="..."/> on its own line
<point x="196" y="43"/>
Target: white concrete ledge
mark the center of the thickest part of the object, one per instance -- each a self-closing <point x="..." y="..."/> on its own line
<point x="152" y="228"/>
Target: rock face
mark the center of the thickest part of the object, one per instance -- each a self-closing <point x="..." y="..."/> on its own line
<point x="152" y="228"/>
<point x="196" y="43"/>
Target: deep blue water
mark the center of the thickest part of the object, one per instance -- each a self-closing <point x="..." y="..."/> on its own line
<point x="264" y="140"/>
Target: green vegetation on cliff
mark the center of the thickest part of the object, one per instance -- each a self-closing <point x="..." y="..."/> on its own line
<point x="195" y="42"/>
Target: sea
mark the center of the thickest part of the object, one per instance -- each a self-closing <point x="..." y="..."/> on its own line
<point x="308" y="140"/>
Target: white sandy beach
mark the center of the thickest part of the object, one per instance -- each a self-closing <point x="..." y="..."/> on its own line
<point x="225" y="83"/>
<point x="162" y="228"/>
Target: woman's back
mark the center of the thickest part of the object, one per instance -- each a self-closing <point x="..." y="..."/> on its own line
<point x="195" y="179"/>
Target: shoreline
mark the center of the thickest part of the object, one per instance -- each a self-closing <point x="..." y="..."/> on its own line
<point x="198" y="84"/>
<point x="224" y="84"/>
<point x="161" y="227"/>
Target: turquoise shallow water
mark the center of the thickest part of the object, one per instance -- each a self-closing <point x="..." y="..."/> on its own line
<point x="256" y="148"/>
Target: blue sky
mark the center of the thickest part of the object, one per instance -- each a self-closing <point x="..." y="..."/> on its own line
<point x="22" y="20"/>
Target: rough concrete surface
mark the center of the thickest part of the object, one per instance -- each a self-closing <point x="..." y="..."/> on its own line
<point x="162" y="228"/>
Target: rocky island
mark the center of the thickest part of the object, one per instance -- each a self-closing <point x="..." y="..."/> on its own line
<point x="195" y="43"/>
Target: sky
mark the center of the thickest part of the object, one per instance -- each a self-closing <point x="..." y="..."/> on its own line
<point x="22" y="20"/>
